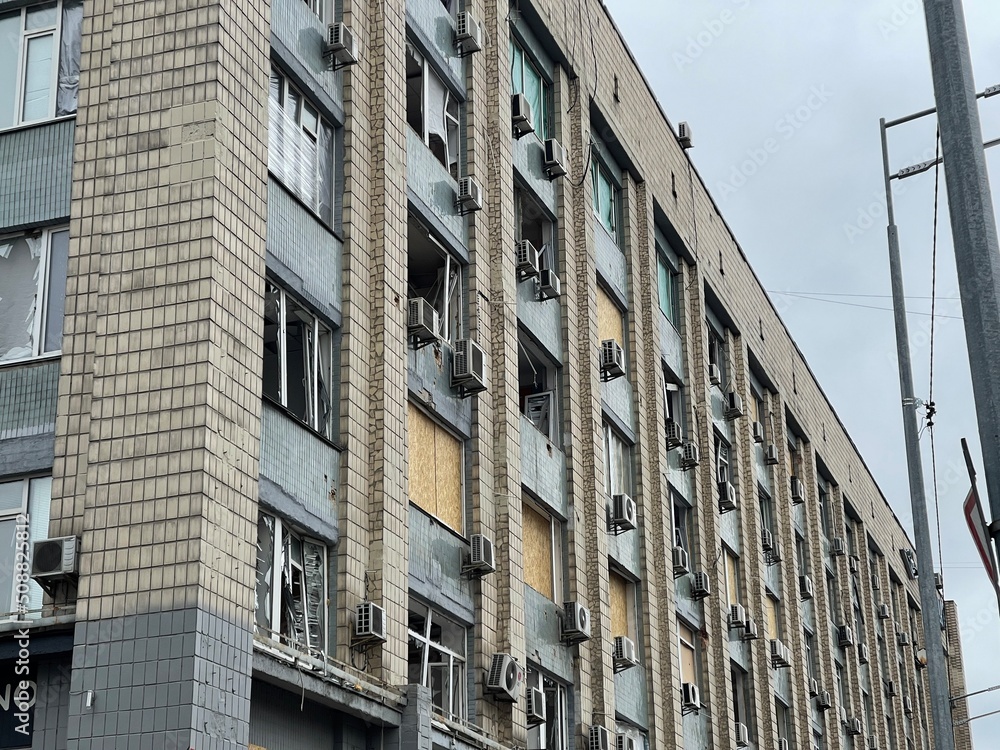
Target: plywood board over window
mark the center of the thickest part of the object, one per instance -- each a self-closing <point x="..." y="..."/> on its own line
<point x="619" y="597"/>
<point x="435" y="469"/>
<point x="686" y="637"/>
<point x="537" y="550"/>
<point x="610" y="320"/>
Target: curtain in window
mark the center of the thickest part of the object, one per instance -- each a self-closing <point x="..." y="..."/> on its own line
<point x="533" y="93"/>
<point x="20" y="266"/>
<point x="39" y="504"/>
<point x="325" y="177"/>
<point x="69" y="58"/>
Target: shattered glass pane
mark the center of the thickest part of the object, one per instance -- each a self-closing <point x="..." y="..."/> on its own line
<point x="314" y="565"/>
<point x="20" y="264"/>
<point x="265" y="564"/>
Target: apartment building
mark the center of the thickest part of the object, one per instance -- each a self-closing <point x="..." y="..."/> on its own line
<point x="400" y="385"/>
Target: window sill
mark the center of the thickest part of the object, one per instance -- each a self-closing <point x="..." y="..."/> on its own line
<point x="32" y="360"/>
<point x="319" y="436"/>
<point x="38" y="623"/>
<point x="36" y="124"/>
<point x="312" y="212"/>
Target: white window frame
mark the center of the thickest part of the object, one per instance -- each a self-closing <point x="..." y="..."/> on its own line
<point x="718" y="353"/>
<point x="43" y="297"/>
<point x="24" y="36"/>
<point x="320" y="8"/>
<point x="557" y="730"/>
<point x="670" y="310"/>
<point x="693" y="646"/>
<point x="682" y="523"/>
<point x="453" y="663"/>
<point x="35" y="501"/>
<point x="618" y="479"/>
<point x="314" y="390"/>
<point x="274" y="575"/>
<point x="723" y="461"/>
<point x="452" y="119"/>
<point x="541" y="119"/>
<point x="600" y="173"/>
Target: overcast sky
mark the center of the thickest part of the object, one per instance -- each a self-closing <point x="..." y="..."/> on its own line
<point x="784" y="101"/>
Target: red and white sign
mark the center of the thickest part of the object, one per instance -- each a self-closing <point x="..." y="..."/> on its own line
<point x="977" y="526"/>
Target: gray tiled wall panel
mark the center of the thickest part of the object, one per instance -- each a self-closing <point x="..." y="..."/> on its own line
<point x="672" y="347"/>
<point x="529" y="161"/>
<point x="434" y="186"/>
<point x="300" y="34"/>
<point x="436" y="556"/>
<point x="51" y="705"/>
<point x="311" y="255"/>
<point x="611" y="265"/>
<point x="286" y="447"/>
<point x="624" y="549"/>
<point x="436" y="28"/>
<point x="36" y="166"/>
<point x="542" y="319"/>
<point x="282" y="721"/>
<point x="543" y="468"/>
<point x="630" y="694"/>
<point x="28" y="398"/>
<point x="542" y="624"/>
<point x="429" y="377"/>
<point x="616" y="396"/>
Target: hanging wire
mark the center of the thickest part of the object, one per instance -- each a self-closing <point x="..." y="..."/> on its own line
<point x="930" y="409"/>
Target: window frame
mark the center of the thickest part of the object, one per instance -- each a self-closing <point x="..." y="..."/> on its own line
<point x="275" y="578"/>
<point x="718" y="353"/>
<point x="43" y="290"/>
<point x="666" y="272"/>
<point x="314" y="383"/>
<point x="462" y="443"/>
<point x="631" y="607"/>
<point x="731" y="576"/>
<point x="557" y="722"/>
<point x="613" y="482"/>
<point x="452" y="120"/>
<point x="542" y="121"/>
<point x="683" y="523"/>
<point x="693" y="646"/>
<point x="555" y="548"/>
<point x="600" y="174"/>
<point x="457" y="662"/>
<point x="37" y="527"/>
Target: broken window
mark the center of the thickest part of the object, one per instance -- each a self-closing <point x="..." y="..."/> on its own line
<point x="437" y="648"/>
<point x="533" y="223"/>
<point x="32" y="293"/>
<point x="537" y="386"/>
<point x="291" y="586"/>
<point x="22" y="500"/>
<point x="554" y="733"/>
<point x="39" y="62"/>
<point x="432" y="110"/>
<point x="436" y="275"/>
<point x="298" y="360"/>
<point x="300" y="147"/>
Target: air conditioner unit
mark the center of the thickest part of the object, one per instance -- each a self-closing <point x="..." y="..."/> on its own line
<point x="742" y="735"/>
<point x="369" y="623"/>
<point x="422" y="323"/>
<point x="600" y="739"/>
<point x="757" y="430"/>
<point x="813" y="687"/>
<point x="700" y="586"/>
<point x="890" y="688"/>
<point x="907" y="705"/>
<point x="780" y="655"/>
<point x="750" y="631"/>
<point x="872" y="743"/>
<point x="535" y="707"/>
<point x="798" y="491"/>
<point x="681" y="562"/>
<point x="555" y="159"/>
<point x="714" y="374"/>
<point x="863" y="653"/>
<point x="782" y="744"/>
<point x="689" y="456"/>
<point x="674" y="437"/>
<point x="549" y="286"/>
<point x="771" y="455"/>
<point x="624" y="742"/>
<point x="624" y="654"/>
<point x="526" y="260"/>
<point x="938" y="581"/>
<point x="845" y="636"/>
<point x="737" y="616"/>
<point x="776" y="555"/>
<point x="876" y="582"/>
<point x="854" y="727"/>
<point x="575" y="623"/>
<point x="734" y="406"/>
<point x="843" y="715"/>
<point x="766" y="539"/>
<point x="805" y="587"/>
<point x="504" y="677"/>
<point x="520" y="115"/>
<point x="470" y="195"/>
<point x="837" y="546"/>
<point x="824" y="701"/>
<point x="903" y="637"/>
<point x="340" y="44"/>
<point x="883" y="612"/>
<point x="727" y="497"/>
<point x="468" y="371"/>
<point x="852" y="564"/>
<point x="54" y="560"/>
<point x="612" y="360"/>
<point x="468" y="34"/>
<point x="684" y="135"/>
<point x="690" y="697"/>
<point x="481" y="559"/>
<point x="623" y="513"/>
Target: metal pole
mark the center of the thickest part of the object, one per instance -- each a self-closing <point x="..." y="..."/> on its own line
<point x="944" y="738"/>
<point x="973" y="226"/>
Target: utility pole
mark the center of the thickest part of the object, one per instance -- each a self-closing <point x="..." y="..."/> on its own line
<point x="937" y="682"/>
<point x="973" y="226"/>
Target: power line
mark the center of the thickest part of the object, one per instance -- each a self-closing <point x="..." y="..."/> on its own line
<point x="867" y="307"/>
<point x="852" y="294"/>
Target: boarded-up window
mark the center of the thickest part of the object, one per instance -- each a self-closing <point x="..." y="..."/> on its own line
<point x="620" y="595"/>
<point x="538" y="550"/>
<point x="732" y="578"/>
<point x="435" y="458"/>
<point x="773" y="623"/>
<point x="686" y="636"/>
<point x="610" y="321"/>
